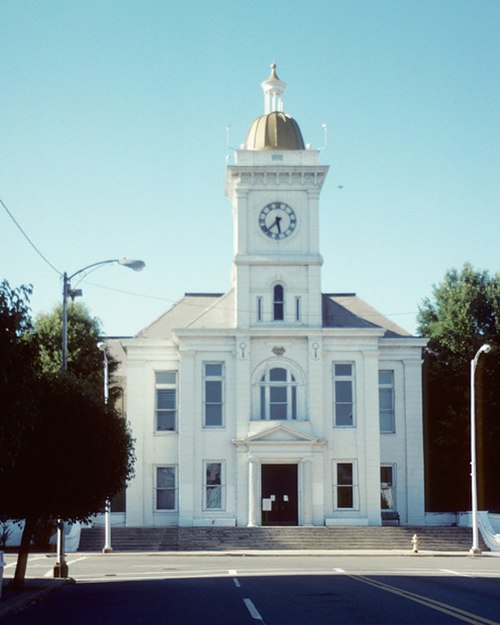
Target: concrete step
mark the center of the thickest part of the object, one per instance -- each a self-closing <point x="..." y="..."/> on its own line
<point x="243" y="538"/>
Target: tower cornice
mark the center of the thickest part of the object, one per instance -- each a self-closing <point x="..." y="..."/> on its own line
<point x="275" y="177"/>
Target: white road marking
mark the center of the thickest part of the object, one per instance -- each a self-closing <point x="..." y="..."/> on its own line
<point x="236" y="582"/>
<point x="254" y="613"/>
<point x="68" y="562"/>
<point x="109" y="577"/>
<point x="30" y="560"/>
<point x="455" y="573"/>
<point x="457" y="613"/>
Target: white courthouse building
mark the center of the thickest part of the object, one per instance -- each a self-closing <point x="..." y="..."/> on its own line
<point x="274" y="403"/>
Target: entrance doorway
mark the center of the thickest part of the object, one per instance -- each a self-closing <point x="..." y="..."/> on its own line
<point x="279" y="494"/>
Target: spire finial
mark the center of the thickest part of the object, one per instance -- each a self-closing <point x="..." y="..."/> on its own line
<point x="273" y="91"/>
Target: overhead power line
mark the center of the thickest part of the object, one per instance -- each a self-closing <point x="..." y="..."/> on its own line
<point x="135" y="294"/>
<point x="193" y="304"/>
<point x="42" y="256"/>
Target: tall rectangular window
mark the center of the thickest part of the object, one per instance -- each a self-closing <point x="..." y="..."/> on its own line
<point x="166" y="401"/>
<point x="343" y="391"/>
<point x="214" y="486"/>
<point x="386" y="400"/>
<point x="166" y="488"/>
<point x="213" y="373"/>
<point x="278" y="303"/>
<point x="345" y="495"/>
<point x="387" y="498"/>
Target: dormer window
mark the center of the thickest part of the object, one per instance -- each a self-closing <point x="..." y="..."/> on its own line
<point x="278" y="303"/>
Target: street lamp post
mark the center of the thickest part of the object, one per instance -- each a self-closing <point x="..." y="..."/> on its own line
<point x="484" y="349"/>
<point x="61" y="566"/>
<point x="107" y="516"/>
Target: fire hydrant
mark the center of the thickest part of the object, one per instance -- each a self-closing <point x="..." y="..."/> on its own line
<point x="415" y="543"/>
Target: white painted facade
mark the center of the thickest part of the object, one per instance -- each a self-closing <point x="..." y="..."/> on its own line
<point x="263" y="405"/>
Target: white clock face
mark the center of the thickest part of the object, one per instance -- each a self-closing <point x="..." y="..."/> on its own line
<point x="277" y="220"/>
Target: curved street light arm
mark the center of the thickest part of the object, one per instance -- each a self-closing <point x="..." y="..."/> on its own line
<point x="135" y="265"/>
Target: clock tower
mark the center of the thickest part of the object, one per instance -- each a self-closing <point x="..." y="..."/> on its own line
<point x="274" y="187"/>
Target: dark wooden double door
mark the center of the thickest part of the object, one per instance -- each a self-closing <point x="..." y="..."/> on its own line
<point x="279" y="494"/>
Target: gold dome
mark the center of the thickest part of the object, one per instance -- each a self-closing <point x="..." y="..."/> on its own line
<point x="274" y="131"/>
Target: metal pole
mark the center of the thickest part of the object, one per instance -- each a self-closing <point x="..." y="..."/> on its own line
<point x="107" y="510"/>
<point x="106" y="375"/>
<point x="107" y="528"/>
<point x="65" y="323"/>
<point x="474" y="550"/>
<point x="473" y="471"/>
<point x="61" y="566"/>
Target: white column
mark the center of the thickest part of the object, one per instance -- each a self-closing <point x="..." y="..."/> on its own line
<point x="307" y="516"/>
<point x="243" y="387"/>
<point x="253" y="501"/>
<point x="140" y="412"/>
<point x="321" y="482"/>
<point x="237" y="426"/>
<point x="189" y="463"/>
<point x="414" y="442"/>
<point x="369" y="449"/>
<point x="240" y="219"/>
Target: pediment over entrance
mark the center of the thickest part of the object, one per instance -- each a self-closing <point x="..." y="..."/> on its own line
<point x="282" y="434"/>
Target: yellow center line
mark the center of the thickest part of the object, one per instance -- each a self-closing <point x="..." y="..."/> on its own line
<point x="457" y="613"/>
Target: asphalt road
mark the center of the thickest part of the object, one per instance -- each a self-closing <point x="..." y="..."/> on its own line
<point x="277" y="590"/>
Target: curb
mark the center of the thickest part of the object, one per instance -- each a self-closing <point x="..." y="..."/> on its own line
<point x="272" y="553"/>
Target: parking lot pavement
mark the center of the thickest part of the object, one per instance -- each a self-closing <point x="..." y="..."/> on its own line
<point x="120" y="565"/>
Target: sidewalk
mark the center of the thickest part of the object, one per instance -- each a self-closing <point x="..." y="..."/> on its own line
<point x="34" y="589"/>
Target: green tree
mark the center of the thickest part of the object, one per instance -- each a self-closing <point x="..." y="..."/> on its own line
<point x="79" y="453"/>
<point x="463" y="314"/>
<point x="67" y="452"/>
<point x="84" y="332"/>
<point x="17" y="354"/>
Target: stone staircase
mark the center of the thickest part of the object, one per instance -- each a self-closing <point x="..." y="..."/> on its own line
<point x="269" y="538"/>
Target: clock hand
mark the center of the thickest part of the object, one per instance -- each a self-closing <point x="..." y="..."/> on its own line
<point x="277" y="224"/>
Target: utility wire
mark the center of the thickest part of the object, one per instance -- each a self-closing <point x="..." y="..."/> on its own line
<point x="29" y="240"/>
<point x="120" y="290"/>
<point x="135" y="294"/>
<point x="204" y="306"/>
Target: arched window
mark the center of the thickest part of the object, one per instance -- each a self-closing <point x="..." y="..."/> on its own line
<point x="278" y="303"/>
<point x="278" y="395"/>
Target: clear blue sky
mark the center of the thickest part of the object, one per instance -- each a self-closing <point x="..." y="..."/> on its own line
<point x="112" y="141"/>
